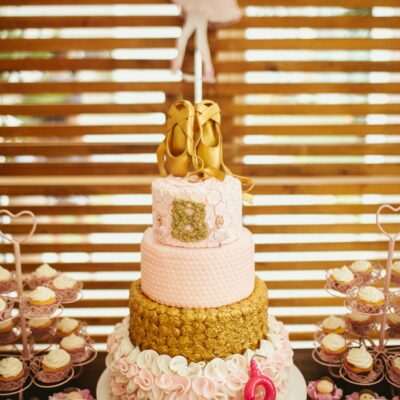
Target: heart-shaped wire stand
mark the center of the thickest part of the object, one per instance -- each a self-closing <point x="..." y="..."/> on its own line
<point x="29" y="355"/>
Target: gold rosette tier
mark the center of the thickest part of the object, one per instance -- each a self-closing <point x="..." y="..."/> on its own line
<point x="196" y="333"/>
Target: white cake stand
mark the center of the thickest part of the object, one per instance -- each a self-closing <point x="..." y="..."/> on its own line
<point x="297" y="384"/>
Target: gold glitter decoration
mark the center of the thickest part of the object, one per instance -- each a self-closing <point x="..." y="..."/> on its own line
<point x="219" y="221"/>
<point x="199" y="334"/>
<point x="188" y="221"/>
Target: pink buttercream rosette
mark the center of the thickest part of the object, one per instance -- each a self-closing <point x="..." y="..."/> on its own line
<point x="314" y="395"/>
<point x="68" y="295"/>
<point x="9" y="285"/>
<point x="6" y="313"/>
<point x="85" y="394"/>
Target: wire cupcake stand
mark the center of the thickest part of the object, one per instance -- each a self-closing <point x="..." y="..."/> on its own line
<point x="375" y="325"/>
<point x="23" y="340"/>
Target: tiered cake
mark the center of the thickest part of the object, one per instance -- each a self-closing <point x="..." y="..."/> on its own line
<point x="199" y="314"/>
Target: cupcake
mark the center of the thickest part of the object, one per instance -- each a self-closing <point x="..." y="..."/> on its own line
<point x="56" y="360"/>
<point x="42" y="296"/>
<point x="393" y="321"/>
<point x="7" y="283"/>
<point x="42" y="276"/>
<point x="359" y="361"/>
<point x="370" y="299"/>
<point x="333" y="346"/>
<point x="334" y="324"/>
<point x="5" y="309"/>
<point x="40" y="327"/>
<point x="73" y="344"/>
<point x="11" y="369"/>
<point x="360" y="323"/>
<point x="67" y="326"/>
<point x="340" y="279"/>
<point x="362" y="269"/>
<point x="396" y="366"/>
<point x="6" y="326"/>
<point x="66" y="287"/>
<point x="395" y="277"/>
<point x="324" y="389"/>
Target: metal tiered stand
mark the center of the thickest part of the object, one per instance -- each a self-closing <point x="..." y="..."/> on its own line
<point x="29" y="353"/>
<point x="383" y="355"/>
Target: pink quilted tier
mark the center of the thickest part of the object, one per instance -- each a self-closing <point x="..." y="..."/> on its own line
<point x="222" y="202"/>
<point x="197" y="278"/>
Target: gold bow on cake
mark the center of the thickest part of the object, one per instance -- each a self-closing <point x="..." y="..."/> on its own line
<point x="193" y="144"/>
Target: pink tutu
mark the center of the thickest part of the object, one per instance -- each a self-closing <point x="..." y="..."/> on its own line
<point x="215" y="11"/>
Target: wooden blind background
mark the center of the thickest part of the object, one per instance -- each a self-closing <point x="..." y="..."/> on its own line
<point x="315" y="119"/>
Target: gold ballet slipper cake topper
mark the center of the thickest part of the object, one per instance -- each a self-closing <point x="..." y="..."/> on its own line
<point x="193" y="144"/>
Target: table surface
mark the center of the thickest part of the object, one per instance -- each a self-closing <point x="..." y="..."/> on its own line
<point x="92" y="372"/>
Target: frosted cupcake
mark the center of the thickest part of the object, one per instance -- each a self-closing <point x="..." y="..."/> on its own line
<point x="42" y="276"/>
<point x="66" y="287"/>
<point x="40" y="303"/>
<point x="6" y="326"/>
<point x="12" y="372"/>
<point x="67" y="326"/>
<point x="395" y="277"/>
<point x="334" y="324"/>
<point x="324" y="389"/>
<point x="340" y="279"/>
<point x="333" y="347"/>
<point x="7" y="281"/>
<point x="73" y="344"/>
<point x="396" y="367"/>
<point x="5" y="308"/>
<point x="393" y="320"/>
<point x="370" y="299"/>
<point x="358" y="361"/>
<point x="359" y="323"/>
<point x="56" y="365"/>
<point x="362" y="269"/>
<point x="40" y="327"/>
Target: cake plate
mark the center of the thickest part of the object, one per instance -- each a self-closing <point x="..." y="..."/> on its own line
<point x="297" y="385"/>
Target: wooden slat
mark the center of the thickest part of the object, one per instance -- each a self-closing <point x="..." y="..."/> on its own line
<point x="106" y="64"/>
<point x="60" y="130"/>
<point x="32" y="248"/>
<point x="135" y="266"/>
<point x="229" y="109"/>
<point x="87" y="228"/>
<point x="216" y="90"/>
<point x="296" y="3"/>
<point x="220" y="44"/>
<point x="231" y="151"/>
<point x="88" y="21"/>
<point x="80" y="210"/>
<point x="84" y="185"/>
<point x="106" y="168"/>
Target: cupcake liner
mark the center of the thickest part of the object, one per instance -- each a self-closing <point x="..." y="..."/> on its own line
<point x="36" y="311"/>
<point x="364" y="278"/>
<point x="8" y="286"/>
<point x="33" y="282"/>
<point x="6" y="313"/>
<point x="328" y="358"/>
<point x="10" y="337"/>
<point x="338" y="286"/>
<point x="361" y="329"/>
<point x="68" y="295"/>
<point x="395" y="301"/>
<point x="395" y="279"/>
<point x="42" y="334"/>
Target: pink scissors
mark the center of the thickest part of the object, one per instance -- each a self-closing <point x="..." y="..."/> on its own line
<point x="257" y="379"/>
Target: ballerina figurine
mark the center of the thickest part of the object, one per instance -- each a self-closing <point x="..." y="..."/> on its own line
<point x="198" y="15"/>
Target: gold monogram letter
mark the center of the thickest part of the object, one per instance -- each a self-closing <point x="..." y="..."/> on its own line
<point x="188" y="221"/>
